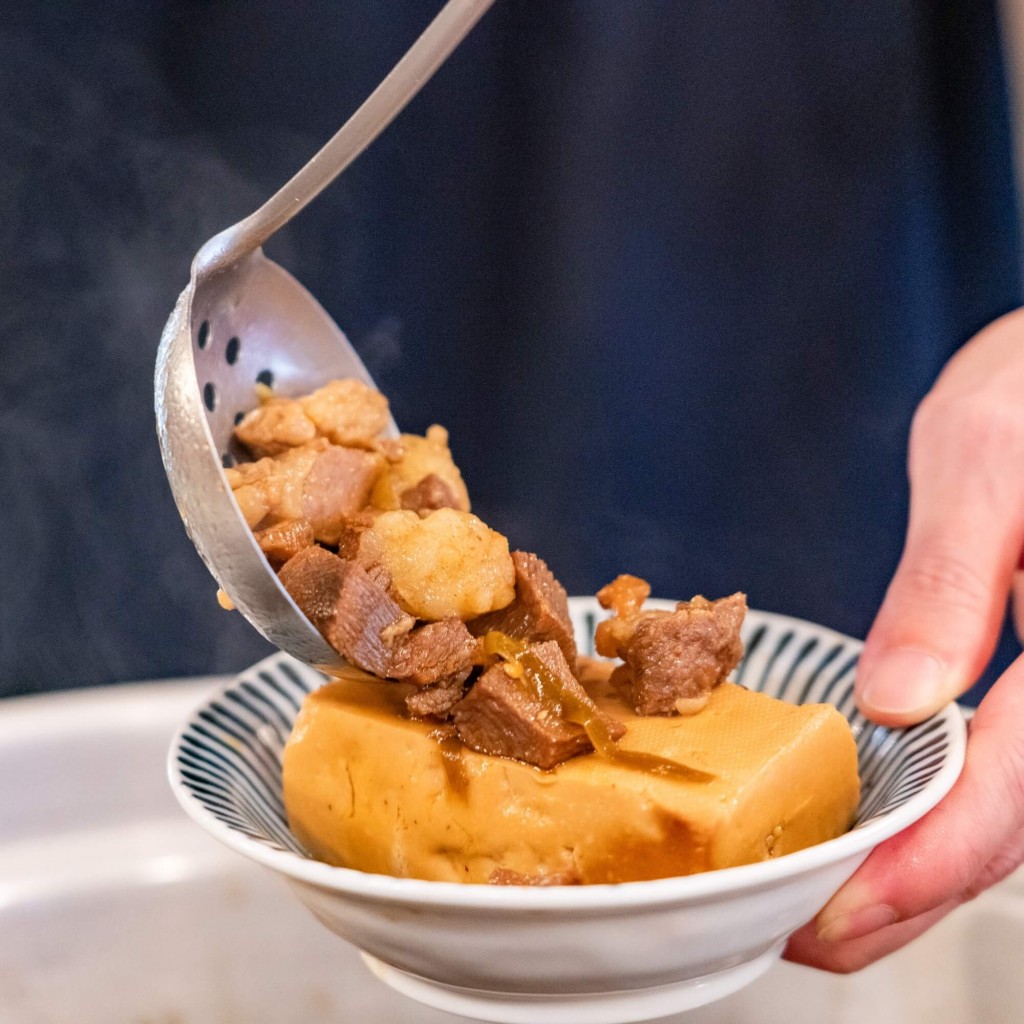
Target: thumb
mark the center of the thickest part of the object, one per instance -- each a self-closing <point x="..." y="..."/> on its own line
<point x="943" y="611"/>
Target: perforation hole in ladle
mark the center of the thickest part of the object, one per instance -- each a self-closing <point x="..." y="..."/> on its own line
<point x="203" y="337"/>
<point x="229" y="458"/>
<point x="231" y="350"/>
<point x="210" y="395"/>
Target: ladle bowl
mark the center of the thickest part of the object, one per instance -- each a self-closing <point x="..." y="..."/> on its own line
<point x="242" y="321"/>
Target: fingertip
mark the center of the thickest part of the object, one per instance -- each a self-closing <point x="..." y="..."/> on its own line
<point x="903" y="686"/>
<point x="844" y="957"/>
<point x="855" y="924"/>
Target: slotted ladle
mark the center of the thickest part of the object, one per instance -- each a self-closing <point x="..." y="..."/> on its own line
<point x="244" y="320"/>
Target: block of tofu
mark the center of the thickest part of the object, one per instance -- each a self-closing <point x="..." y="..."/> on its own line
<point x="367" y="787"/>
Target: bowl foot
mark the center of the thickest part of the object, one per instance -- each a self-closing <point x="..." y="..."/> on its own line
<point x="587" y="1008"/>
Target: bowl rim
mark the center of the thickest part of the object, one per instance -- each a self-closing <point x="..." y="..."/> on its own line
<point x="682" y="889"/>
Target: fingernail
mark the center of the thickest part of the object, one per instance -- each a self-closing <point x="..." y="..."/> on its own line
<point x="856" y="924"/>
<point x="903" y="681"/>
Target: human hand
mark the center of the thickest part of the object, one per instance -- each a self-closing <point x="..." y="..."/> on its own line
<point x="932" y="637"/>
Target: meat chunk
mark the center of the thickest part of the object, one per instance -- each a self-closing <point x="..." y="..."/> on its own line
<point x="539" y="611"/>
<point x="334" y="488"/>
<point x="438" y="699"/>
<point x="550" y="655"/>
<point x="499" y="716"/>
<point x="350" y="532"/>
<point x="354" y="614"/>
<point x="434" y="651"/>
<point x="344" y="412"/>
<point x="362" y="623"/>
<point x="673" y="659"/>
<point x="319" y="482"/>
<point x="431" y="493"/>
<point x="503" y="715"/>
<point x="284" y="540"/>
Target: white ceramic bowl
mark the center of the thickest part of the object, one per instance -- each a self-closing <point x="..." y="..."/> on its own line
<point x="593" y="954"/>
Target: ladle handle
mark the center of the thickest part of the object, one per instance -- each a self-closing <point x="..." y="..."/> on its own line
<point x="406" y="79"/>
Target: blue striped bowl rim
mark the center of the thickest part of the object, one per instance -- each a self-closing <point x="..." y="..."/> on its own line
<point x="225" y="769"/>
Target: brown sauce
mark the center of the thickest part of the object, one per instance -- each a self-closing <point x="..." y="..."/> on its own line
<point x="451" y="747"/>
<point x="555" y="697"/>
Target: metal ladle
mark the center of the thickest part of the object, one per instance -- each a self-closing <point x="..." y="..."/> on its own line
<point x="244" y="320"/>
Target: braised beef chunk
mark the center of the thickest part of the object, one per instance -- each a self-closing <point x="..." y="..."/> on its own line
<point x="350" y="530"/>
<point x="674" y="659"/>
<point x="506" y="876"/>
<point x="430" y="494"/>
<point x="551" y="656"/>
<point x="337" y="488"/>
<point x="503" y="715"/>
<point x="539" y="612"/>
<point x="358" y="619"/>
<point x="354" y="614"/>
<point x="318" y="482"/>
<point x="438" y="699"/>
<point x="500" y="716"/>
<point x="433" y="652"/>
<point x="284" y="540"/>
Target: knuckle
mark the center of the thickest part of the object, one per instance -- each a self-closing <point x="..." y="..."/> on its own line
<point x="1012" y="765"/>
<point x="1008" y="775"/>
<point x="1004" y="863"/>
<point x="994" y="854"/>
<point x="979" y="884"/>
<point x="946" y="578"/>
<point x="975" y="422"/>
<point x="972" y="891"/>
<point x="965" y="884"/>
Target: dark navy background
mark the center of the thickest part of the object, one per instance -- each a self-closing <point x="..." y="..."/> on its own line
<point x="674" y="275"/>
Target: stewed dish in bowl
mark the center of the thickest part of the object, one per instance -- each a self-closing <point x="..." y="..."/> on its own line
<point x="517" y="803"/>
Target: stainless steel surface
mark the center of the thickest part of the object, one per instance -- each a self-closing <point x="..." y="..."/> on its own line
<point x="243" y="319"/>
